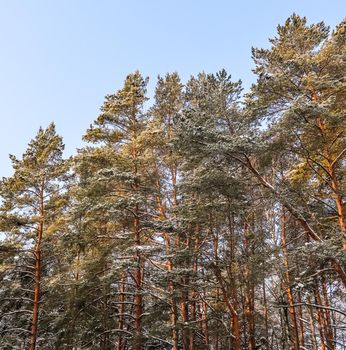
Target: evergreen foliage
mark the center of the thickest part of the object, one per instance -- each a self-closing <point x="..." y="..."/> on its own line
<point x="211" y="219"/>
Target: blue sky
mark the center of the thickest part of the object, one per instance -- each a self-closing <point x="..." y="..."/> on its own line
<point x="59" y="58"/>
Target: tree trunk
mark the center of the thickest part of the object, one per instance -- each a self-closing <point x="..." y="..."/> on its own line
<point x="119" y="344"/>
<point x="37" y="279"/>
<point x="312" y="327"/>
<point x="234" y="320"/>
<point x="194" y="292"/>
<point x="138" y="300"/>
<point x="292" y="310"/>
<point x="185" y="316"/>
<point x="265" y="305"/>
<point x="301" y="323"/>
<point x="205" y="324"/>
<point x="249" y="291"/>
<point x="320" y="320"/>
<point x="340" y="206"/>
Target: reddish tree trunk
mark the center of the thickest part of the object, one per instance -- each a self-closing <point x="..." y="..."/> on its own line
<point x="249" y="292"/>
<point x="328" y="331"/>
<point x="292" y="311"/>
<point x="319" y="318"/>
<point x="340" y="206"/>
<point x="37" y="279"/>
<point x="138" y="299"/>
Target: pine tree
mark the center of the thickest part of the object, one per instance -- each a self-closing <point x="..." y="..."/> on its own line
<point x="167" y="107"/>
<point x="298" y="92"/>
<point x="204" y="221"/>
<point x="33" y="198"/>
<point x="123" y="191"/>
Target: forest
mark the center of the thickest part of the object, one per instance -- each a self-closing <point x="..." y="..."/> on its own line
<point x="206" y="218"/>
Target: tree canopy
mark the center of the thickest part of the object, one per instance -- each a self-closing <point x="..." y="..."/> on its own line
<point x="211" y="219"/>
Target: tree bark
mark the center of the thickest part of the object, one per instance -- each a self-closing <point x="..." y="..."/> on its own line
<point x="320" y="319"/>
<point x="292" y="311"/>
<point x="119" y="344"/>
<point x="37" y="278"/>
<point x="340" y="205"/>
<point x="138" y="299"/>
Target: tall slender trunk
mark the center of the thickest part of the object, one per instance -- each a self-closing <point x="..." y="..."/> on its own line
<point x="216" y="258"/>
<point x="105" y="314"/>
<point x="249" y="292"/>
<point x="71" y="330"/>
<point x="205" y="323"/>
<point x="119" y="344"/>
<point x="194" y="292"/>
<point x="174" y="199"/>
<point x="249" y="312"/>
<point x="174" y="313"/>
<point x="167" y="240"/>
<point x="284" y="320"/>
<point x="328" y="321"/>
<point x="301" y="322"/>
<point x="193" y="318"/>
<point x="173" y="306"/>
<point x="37" y="278"/>
<point x="324" y="317"/>
<point x="331" y="163"/>
<point x="175" y="336"/>
<point x="292" y="311"/>
<point x="265" y="305"/>
<point x="233" y="285"/>
<point x="340" y="205"/>
<point x="320" y="319"/>
<point x="312" y="327"/>
<point x="234" y="319"/>
<point x="138" y="299"/>
<point x="185" y="316"/>
<point x="184" y="303"/>
<point x="235" y="326"/>
<point x="184" y="307"/>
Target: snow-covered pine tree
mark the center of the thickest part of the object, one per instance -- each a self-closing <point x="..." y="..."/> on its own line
<point x="33" y="199"/>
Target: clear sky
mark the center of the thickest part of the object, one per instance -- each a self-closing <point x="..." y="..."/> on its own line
<point x="59" y="58"/>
